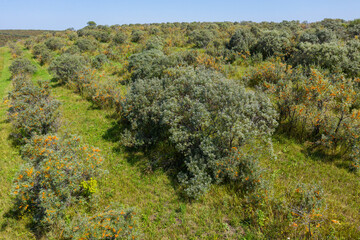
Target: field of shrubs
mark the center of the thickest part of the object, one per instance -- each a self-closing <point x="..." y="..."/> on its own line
<point x="182" y="131"/>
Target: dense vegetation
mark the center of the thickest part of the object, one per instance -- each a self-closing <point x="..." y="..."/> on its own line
<point x="14" y="35"/>
<point x="212" y="106"/>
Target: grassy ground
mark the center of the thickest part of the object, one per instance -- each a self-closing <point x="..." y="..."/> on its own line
<point x="164" y="214"/>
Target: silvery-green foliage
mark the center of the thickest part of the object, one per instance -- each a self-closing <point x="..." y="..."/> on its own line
<point x="119" y="38"/>
<point x="201" y="38"/>
<point x="211" y="122"/>
<point x="66" y="66"/>
<point x="86" y="44"/>
<point x="22" y="66"/>
<point x="273" y="42"/>
<point x="241" y="41"/>
<point x="55" y="43"/>
<point x="151" y="63"/>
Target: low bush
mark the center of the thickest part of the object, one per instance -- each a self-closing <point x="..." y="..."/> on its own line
<point x="201" y="38"/>
<point x="66" y="66"/>
<point x="22" y="66"/>
<point x="55" y="43"/>
<point x="120" y="38"/>
<point x="42" y="53"/>
<point x="242" y="41"/>
<point x="85" y="44"/>
<point x="137" y="36"/>
<point x="111" y="223"/>
<point x="99" y="60"/>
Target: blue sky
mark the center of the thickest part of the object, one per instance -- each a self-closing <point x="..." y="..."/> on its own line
<point x="59" y="15"/>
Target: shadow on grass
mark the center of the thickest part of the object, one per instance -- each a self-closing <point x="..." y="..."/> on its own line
<point x="55" y="83"/>
<point x="13" y="215"/>
<point x="161" y="157"/>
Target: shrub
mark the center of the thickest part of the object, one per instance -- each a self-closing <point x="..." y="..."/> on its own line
<point x="33" y="111"/>
<point x="22" y="66"/>
<point x="42" y="53"/>
<point x="201" y="38"/>
<point x="50" y="181"/>
<point x="73" y="49"/>
<point x="147" y="64"/>
<point x="273" y="43"/>
<point x="66" y="66"/>
<point x="209" y="125"/>
<point x="155" y="43"/>
<point x="72" y="35"/>
<point x="108" y="224"/>
<point x="103" y="94"/>
<point x="137" y="36"/>
<point x="319" y="108"/>
<point x="85" y="44"/>
<point x="102" y="36"/>
<point x="241" y="41"/>
<point x="99" y="60"/>
<point x="119" y="38"/>
<point x="54" y="43"/>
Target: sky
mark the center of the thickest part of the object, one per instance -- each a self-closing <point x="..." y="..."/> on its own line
<point x="60" y="15"/>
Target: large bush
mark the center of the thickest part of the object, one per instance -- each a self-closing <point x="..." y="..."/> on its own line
<point x="22" y="66"/>
<point x="42" y="53"/>
<point x="99" y="60"/>
<point x="66" y="66"/>
<point x="86" y="44"/>
<point x="273" y="42"/>
<point x="55" y="43"/>
<point x="212" y="127"/>
<point x="147" y="64"/>
<point x="241" y="41"/>
<point x="201" y="38"/>
<point x="119" y="38"/>
<point x="137" y="36"/>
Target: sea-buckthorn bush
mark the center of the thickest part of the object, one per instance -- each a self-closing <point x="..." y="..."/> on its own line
<point x="66" y="66"/>
<point x="273" y="42"/>
<point x="111" y="223"/>
<point x="214" y="129"/>
<point x="42" y="53"/>
<point x="32" y="109"/>
<point x="86" y="44"/>
<point x="55" y="43"/>
<point x="147" y="64"/>
<point x="155" y="43"/>
<point x="73" y="49"/>
<point x="201" y="38"/>
<point x="22" y="66"/>
<point x="137" y="36"/>
<point x="119" y="38"/>
<point x="242" y="41"/>
<point x="314" y="106"/>
<point x="104" y="94"/>
<point x="50" y="181"/>
<point x="99" y="60"/>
